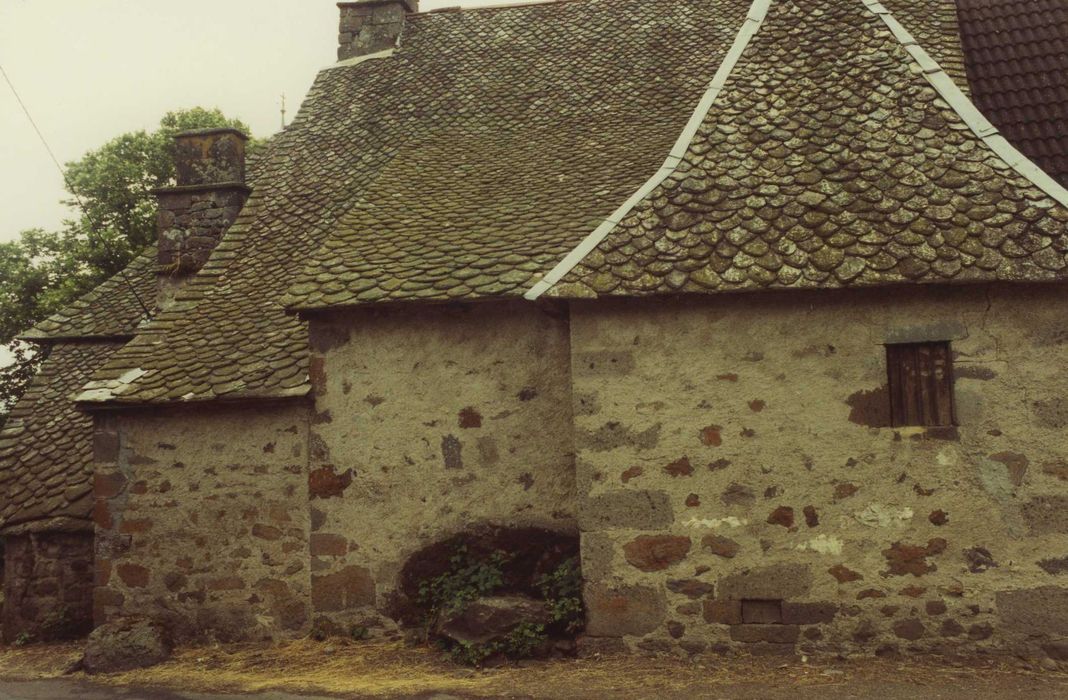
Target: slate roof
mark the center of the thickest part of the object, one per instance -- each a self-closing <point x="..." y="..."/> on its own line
<point x="113" y="309"/>
<point x="828" y="161"/>
<point x="492" y="142"/>
<point x="46" y="446"/>
<point x="566" y="107"/>
<point x="1017" y="61"/>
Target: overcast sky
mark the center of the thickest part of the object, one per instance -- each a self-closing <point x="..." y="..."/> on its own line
<point x="92" y="69"/>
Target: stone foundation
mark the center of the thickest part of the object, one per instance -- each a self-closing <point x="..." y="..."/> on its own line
<point x="48" y="586"/>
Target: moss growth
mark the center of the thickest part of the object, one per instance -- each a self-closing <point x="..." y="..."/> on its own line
<point x="468" y="578"/>
<point x="471" y="576"/>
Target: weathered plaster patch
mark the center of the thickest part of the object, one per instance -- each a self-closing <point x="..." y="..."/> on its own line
<point x="613" y="435"/>
<point x="974" y="371"/>
<point x="713" y="523"/>
<point x="995" y="479"/>
<point x="822" y="544"/>
<point x="1015" y="464"/>
<point x="1052" y="413"/>
<point x="947" y="457"/>
<point x="880" y="515"/>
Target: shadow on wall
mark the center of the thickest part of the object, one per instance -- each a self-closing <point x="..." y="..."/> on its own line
<point x="493" y="594"/>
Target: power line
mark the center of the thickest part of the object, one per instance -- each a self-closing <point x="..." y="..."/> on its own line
<point x="78" y="198"/>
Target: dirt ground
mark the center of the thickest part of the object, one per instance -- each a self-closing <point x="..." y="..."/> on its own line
<point x="392" y="670"/>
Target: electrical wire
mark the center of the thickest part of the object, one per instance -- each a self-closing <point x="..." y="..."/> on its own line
<point x="78" y="198"/>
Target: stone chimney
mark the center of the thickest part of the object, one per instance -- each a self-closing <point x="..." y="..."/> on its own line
<point x="194" y="214"/>
<point x="370" y="26"/>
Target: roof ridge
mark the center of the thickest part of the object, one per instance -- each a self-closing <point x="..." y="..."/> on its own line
<point x="518" y="4"/>
<point x="966" y="109"/>
<point x="750" y="26"/>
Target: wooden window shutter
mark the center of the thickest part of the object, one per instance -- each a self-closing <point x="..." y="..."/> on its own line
<point x="921" y="384"/>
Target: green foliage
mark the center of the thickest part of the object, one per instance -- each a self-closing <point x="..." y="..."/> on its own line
<point x="470" y="577"/>
<point x="521" y="643"/>
<point x="59" y="624"/>
<point x="563" y="590"/>
<point x="22" y="639"/>
<point x="467" y="579"/>
<point x="524" y="640"/>
<point x="110" y="187"/>
<point x="114" y="183"/>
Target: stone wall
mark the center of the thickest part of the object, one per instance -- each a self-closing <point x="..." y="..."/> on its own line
<point x="48" y="586"/>
<point x="369" y="26"/>
<point x="202" y="519"/>
<point x="430" y="422"/>
<point x="191" y="222"/>
<point x="742" y="489"/>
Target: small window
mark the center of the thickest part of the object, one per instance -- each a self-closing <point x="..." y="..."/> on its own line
<point x="921" y="384"/>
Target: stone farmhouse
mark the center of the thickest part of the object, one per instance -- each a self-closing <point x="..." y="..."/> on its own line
<point x="746" y="298"/>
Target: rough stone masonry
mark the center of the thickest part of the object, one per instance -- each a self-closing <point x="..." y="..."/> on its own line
<point x="718" y="403"/>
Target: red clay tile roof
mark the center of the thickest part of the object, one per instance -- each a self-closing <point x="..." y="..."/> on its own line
<point x="1016" y="52"/>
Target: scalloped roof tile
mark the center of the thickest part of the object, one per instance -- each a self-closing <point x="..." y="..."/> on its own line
<point x="46" y="449"/>
<point x="829" y="160"/>
<point x="469" y="162"/>
<point x="113" y="309"/>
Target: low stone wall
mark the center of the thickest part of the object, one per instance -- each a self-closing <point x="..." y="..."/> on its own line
<point x="742" y="488"/>
<point x="202" y="520"/>
<point x="48" y="586"/>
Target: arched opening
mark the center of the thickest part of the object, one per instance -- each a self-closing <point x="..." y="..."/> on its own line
<point x="492" y="593"/>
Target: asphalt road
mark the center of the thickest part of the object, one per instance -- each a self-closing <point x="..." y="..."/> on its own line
<point x="1031" y="688"/>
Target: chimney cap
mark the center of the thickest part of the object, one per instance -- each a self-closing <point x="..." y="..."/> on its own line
<point x="412" y="5"/>
<point x="209" y="132"/>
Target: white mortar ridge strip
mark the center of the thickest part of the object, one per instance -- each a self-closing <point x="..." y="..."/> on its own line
<point x="356" y="60"/>
<point x="754" y="18"/>
<point x="966" y="110"/>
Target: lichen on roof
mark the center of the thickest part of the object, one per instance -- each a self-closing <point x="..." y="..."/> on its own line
<point x="113" y="309"/>
<point x="475" y="157"/>
<point x="829" y="161"/>
<point x="550" y="111"/>
<point x="46" y="450"/>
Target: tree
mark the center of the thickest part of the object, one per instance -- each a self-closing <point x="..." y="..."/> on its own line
<point x="111" y="193"/>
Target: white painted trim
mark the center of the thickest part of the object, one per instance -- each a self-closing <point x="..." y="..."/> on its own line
<point x="356" y="60"/>
<point x="755" y="17"/>
<point x="966" y="110"/>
